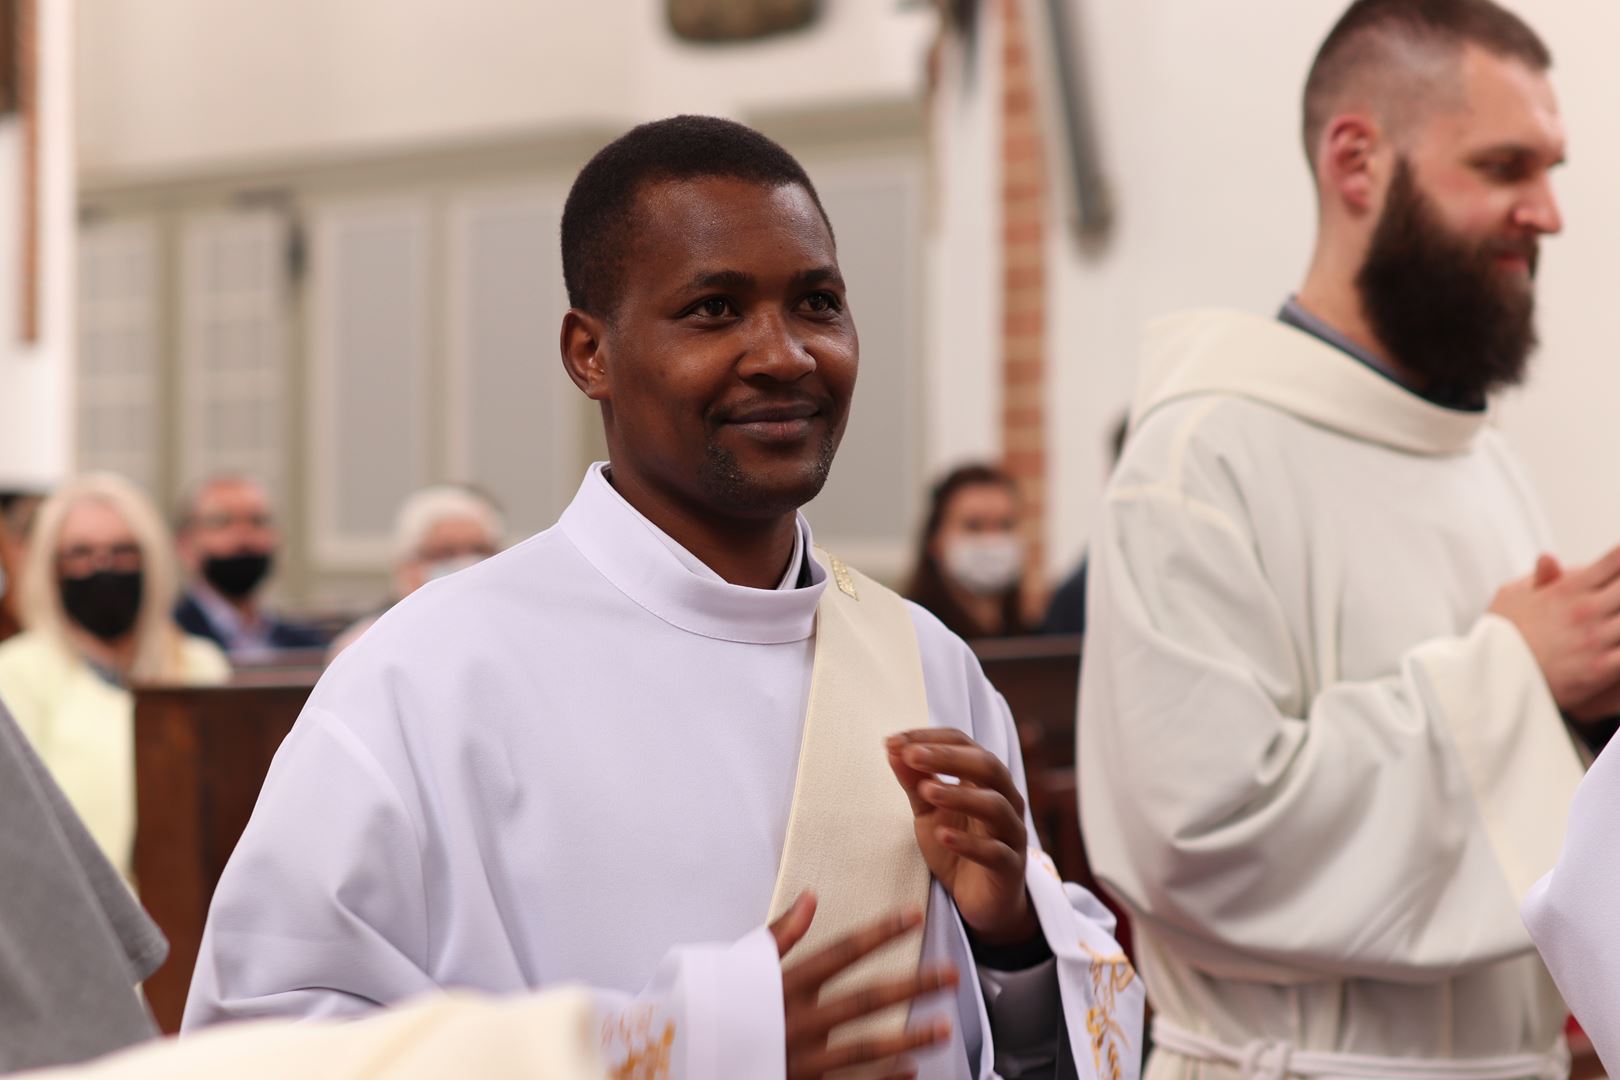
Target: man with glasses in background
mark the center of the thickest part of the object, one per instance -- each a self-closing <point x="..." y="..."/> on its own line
<point x="228" y="542"/>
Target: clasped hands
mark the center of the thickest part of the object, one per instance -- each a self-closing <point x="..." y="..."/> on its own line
<point x="973" y="838"/>
<point x="1570" y="619"/>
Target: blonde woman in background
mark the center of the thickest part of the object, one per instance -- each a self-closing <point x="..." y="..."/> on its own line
<point x="97" y="589"/>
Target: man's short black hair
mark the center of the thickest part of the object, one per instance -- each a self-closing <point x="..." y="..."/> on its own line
<point x="1375" y="39"/>
<point x="598" y="219"/>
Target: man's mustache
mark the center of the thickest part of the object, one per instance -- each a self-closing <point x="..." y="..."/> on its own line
<point x="772" y="407"/>
<point x="1527" y="249"/>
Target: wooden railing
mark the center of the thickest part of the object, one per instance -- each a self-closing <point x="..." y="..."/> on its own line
<point x="201" y="754"/>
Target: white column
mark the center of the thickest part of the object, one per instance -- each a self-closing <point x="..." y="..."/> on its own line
<point x="963" y="346"/>
<point x="36" y="380"/>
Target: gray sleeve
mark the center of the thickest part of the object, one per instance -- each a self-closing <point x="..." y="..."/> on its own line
<point x="73" y="940"/>
<point x="1026" y="1021"/>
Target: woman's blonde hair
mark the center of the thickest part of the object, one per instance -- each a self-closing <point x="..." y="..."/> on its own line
<point x="157" y="638"/>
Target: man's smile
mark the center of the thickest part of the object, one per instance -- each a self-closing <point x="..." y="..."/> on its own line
<point x="782" y="422"/>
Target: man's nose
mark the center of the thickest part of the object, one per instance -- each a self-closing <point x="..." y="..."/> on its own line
<point x="1538" y="210"/>
<point x="775" y="351"/>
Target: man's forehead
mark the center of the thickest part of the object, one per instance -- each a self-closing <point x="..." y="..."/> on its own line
<point x="696" y="221"/>
<point x="457" y="525"/>
<point x="93" y="516"/>
<point x="234" y="492"/>
<point x="1504" y="103"/>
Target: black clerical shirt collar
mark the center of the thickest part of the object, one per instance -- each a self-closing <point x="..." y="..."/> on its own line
<point x="805" y="579"/>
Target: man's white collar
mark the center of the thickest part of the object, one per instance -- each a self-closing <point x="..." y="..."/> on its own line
<point x="1213" y="351"/>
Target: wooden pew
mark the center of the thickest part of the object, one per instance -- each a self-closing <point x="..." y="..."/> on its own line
<point x="201" y="754"/>
<point x="1040" y="678"/>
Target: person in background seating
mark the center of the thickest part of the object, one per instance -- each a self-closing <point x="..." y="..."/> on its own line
<point x="228" y="543"/>
<point x="970" y="560"/>
<point x="16" y="514"/>
<point x="440" y="530"/>
<point x="97" y="590"/>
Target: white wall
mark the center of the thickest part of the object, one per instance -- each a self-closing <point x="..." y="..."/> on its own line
<point x="963" y="341"/>
<point x="1198" y="110"/>
<point x="36" y="381"/>
<point x="186" y="104"/>
<point x="183" y="86"/>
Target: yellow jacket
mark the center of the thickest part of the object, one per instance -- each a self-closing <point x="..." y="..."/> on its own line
<point x="83" y="728"/>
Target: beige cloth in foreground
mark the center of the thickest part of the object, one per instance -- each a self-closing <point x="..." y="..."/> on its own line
<point x="553" y="1036"/>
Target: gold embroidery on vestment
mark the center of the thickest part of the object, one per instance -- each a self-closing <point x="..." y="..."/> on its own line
<point x="645" y="1056"/>
<point x="1110" y="975"/>
<point x="840" y="573"/>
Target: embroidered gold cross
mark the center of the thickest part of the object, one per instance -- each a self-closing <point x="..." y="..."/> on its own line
<point x="840" y="572"/>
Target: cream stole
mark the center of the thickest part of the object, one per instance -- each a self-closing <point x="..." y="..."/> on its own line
<point x="850" y="834"/>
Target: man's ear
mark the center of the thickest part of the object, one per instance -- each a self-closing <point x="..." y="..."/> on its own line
<point x="584" y="353"/>
<point x="1350" y="165"/>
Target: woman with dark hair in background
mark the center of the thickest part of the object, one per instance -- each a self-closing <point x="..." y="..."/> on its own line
<point x="970" y="559"/>
<point x="16" y="516"/>
<point x="10" y="625"/>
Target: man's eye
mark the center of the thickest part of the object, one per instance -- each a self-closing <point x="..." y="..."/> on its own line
<point x="1505" y="171"/>
<point x="823" y="301"/>
<point x="713" y="308"/>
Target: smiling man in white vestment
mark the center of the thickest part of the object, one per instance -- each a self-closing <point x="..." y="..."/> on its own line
<point x="1326" y="705"/>
<point x="609" y="755"/>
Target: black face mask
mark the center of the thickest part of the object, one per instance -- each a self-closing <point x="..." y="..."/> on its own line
<point x="234" y="576"/>
<point x="106" y="603"/>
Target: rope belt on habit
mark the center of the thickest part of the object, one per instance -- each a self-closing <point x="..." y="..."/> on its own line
<point x="1261" y="1060"/>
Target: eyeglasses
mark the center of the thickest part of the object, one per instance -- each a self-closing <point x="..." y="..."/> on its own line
<point x="445" y="554"/>
<point x="82" y="560"/>
<point x="225" y="521"/>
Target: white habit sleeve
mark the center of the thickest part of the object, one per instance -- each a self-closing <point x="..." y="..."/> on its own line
<point x="1572" y="915"/>
<point x="322" y="912"/>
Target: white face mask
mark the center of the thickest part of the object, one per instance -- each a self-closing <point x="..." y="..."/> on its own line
<point x="446" y="567"/>
<point x="986" y="565"/>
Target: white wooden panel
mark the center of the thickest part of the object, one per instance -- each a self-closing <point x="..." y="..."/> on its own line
<point x="514" y="414"/>
<point x="118" y="353"/>
<point x="232" y="348"/>
<point x="871" y="504"/>
<point x="369" y="327"/>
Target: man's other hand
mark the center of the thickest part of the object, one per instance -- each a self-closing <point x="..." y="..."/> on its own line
<point x="811" y="1021"/>
<point x="1571" y="621"/>
<point x="971" y="832"/>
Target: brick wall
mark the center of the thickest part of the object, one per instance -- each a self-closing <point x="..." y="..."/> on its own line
<point x="1023" y="285"/>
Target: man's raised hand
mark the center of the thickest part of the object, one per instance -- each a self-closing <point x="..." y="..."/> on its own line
<point x="1571" y="621"/>
<point x="810" y="1021"/>
<point x="972" y="832"/>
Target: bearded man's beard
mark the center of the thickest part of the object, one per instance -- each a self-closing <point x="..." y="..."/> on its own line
<point x="1458" y="323"/>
